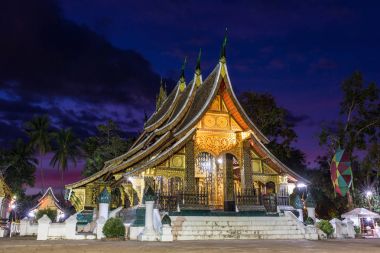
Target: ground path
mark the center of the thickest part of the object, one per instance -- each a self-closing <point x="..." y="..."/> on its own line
<point x="230" y="246"/>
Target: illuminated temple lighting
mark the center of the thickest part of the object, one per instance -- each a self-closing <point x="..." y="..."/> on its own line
<point x="220" y="160"/>
<point x="301" y="185"/>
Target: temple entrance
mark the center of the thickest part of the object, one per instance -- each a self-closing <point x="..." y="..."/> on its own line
<point x="232" y="181"/>
<point x="209" y="179"/>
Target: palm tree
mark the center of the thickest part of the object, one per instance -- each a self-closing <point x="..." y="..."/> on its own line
<point x="40" y="136"/>
<point x="65" y="150"/>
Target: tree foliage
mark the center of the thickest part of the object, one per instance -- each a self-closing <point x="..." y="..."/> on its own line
<point x="357" y="131"/>
<point x="18" y="166"/>
<point x="274" y="122"/>
<point x="66" y="149"/>
<point x="40" y="135"/>
<point x="105" y="145"/>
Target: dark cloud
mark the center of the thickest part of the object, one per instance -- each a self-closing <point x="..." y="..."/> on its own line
<point x="50" y="65"/>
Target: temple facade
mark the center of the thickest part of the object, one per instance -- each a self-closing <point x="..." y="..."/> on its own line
<point x="199" y="150"/>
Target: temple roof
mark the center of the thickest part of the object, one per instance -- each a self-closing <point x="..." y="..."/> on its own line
<point x="174" y="122"/>
<point x="50" y="192"/>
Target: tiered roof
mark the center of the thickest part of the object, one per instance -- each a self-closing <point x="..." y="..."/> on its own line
<point x="172" y="124"/>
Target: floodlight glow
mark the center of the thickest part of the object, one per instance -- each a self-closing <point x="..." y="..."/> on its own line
<point x="301" y="185"/>
<point x="220" y="160"/>
<point x="368" y="194"/>
<point x="13" y="206"/>
<point x="31" y="214"/>
<point x="369" y="219"/>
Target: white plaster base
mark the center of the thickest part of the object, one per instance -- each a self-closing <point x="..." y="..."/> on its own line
<point x="134" y="232"/>
<point x="166" y="233"/>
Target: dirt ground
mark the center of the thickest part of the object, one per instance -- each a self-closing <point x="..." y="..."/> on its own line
<point x="231" y="246"/>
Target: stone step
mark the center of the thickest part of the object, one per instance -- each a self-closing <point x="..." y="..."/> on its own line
<point x="236" y="232"/>
<point x="245" y="227"/>
<point x="251" y="236"/>
<point x="230" y="223"/>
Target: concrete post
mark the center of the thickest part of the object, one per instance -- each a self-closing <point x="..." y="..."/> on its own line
<point x="104" y="210"/>
<point x="148" y="234"/>
<point x="99" y="227"/>
<point x="24" y="226"/>
<point x="104" y="200"/>
<point x="70" y="227"/>
<point x="166" y="234"/>
<point x="43" y="227"/>
<point x="311" y="212"/>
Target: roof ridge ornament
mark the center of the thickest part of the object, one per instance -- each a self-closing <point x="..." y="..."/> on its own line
<point x="162" y="94"/>
<point x="182" y="81"/>
<point x="198" y="72"/>
<point x="223" y="50"/>
<point x="198" y="66"/>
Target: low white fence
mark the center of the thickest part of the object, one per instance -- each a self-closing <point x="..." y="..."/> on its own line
<point x="46" y="230"/>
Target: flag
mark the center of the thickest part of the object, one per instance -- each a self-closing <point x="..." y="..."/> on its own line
<point x="341" y="172"/>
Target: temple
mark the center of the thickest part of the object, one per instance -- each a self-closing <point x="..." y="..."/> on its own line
<point x="199" y="151"/>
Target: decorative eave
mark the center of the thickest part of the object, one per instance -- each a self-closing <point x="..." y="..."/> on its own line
<point x="185" y="126"/>
<point x="114" y="168"/>
<point x="166" y="112"/>
<point x="160" y="158"/>
<point x="180" y="113"/>
<point x="238" y="108"/>
<point x="131" y="151"/>
<point x="277" y="162"/>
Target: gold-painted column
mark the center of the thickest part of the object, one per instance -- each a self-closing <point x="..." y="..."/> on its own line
<point x="229" y="201"/>
<point x="247" y="179"/>
<point x="189" y="182"/>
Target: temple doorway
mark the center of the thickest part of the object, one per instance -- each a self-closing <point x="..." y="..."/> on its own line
<point x="209" y="179"/>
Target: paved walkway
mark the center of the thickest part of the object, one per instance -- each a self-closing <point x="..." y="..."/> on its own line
<point x="230" y="246"/>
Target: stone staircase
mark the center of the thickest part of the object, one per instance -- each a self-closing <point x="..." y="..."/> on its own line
<point x="227" y="227"/>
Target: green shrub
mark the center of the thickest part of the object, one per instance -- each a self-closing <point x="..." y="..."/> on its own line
<point x="114" y="228"/>
<point x="357" y="230"/>
<point x="326" y="227"/>
<point x="52" y="214"/>
<point x="309" y="221"/>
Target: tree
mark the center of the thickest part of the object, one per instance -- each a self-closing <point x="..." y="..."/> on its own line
<point x="20" y="166"/>
<point x="40" y="136"/>
<point x="274" y="122"/>
<point x="355" y="130"/>
<point x="65" y="150"/>
<point x="106" y="145"/>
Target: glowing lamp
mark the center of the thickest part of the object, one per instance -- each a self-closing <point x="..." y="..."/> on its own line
<point x="301" y="185"/>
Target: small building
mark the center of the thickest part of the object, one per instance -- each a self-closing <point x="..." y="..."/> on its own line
<point x="48" y="201"/>
<point x="365" y="220"/>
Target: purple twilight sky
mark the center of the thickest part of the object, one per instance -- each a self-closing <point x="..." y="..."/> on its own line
<point x="83" y="61"/>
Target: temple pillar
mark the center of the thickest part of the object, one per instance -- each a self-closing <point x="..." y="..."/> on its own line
<point x="247" y="175"/>
<point x="189" y="182"/>
<point x="229" y="201"/>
